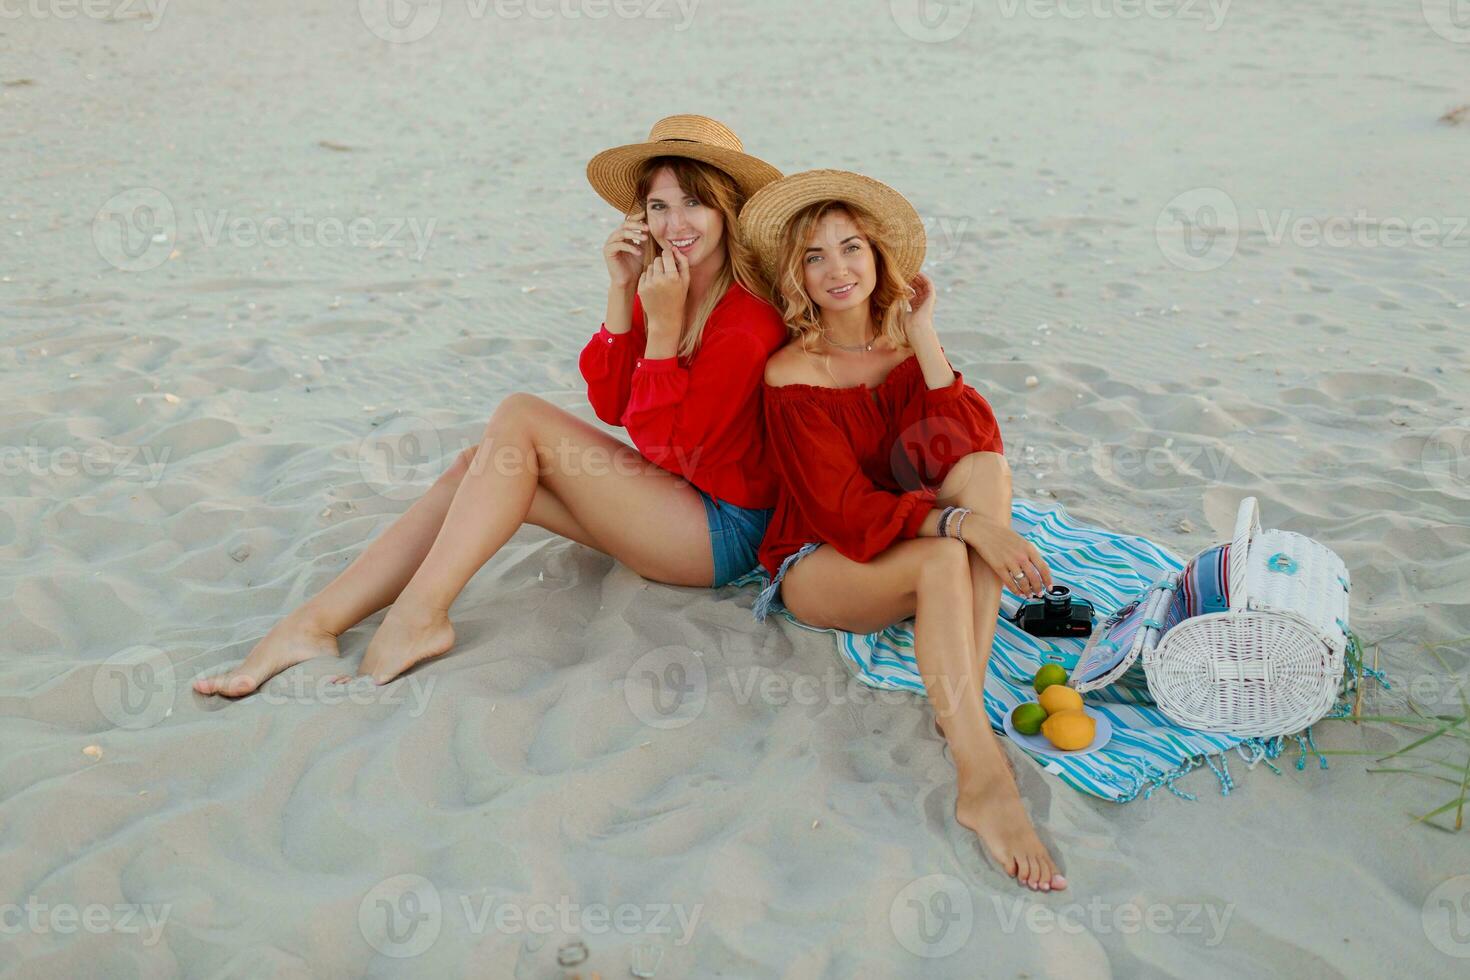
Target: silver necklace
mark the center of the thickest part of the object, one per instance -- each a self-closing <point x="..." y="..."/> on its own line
<point x="851" y="348"/>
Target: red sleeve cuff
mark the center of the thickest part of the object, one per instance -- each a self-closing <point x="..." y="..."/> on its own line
<point x="951" y="391"/>
<point x="657" y="363"/>
<point x="606" y="336"/>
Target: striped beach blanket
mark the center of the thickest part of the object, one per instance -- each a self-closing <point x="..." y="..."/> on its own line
<point x="1146" y="751"/>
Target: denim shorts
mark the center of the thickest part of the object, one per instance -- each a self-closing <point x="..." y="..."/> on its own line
<point x="770" y="596"/>
<point x="734" y="536"/>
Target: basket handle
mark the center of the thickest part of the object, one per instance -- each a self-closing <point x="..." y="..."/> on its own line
<point x="1247" y="526"/>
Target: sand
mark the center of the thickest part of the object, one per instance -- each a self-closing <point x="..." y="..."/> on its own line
<point x="370" y="239"/>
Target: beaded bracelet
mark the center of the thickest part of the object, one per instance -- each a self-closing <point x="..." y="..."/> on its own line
<point x="944" y="516"/>
<point x="957" y="520"/>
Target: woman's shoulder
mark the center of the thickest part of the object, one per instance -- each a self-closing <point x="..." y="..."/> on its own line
<point x="792" y="365"/>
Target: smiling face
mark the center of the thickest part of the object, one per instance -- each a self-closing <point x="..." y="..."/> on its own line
<point x="682" y="222"/>
<point x="838" y="268"/>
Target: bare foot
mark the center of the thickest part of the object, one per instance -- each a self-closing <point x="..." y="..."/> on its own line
<point x="990" y="805"/>
<point x="408" y="635"/>
<point x="291" y="641"/>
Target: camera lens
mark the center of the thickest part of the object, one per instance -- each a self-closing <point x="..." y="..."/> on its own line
<point x="1058" y="596"/>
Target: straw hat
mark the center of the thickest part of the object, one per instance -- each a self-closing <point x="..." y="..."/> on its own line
<point x="614" y="173"/>
<point x="763" y="219"/>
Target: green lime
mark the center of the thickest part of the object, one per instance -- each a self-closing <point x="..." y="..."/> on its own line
<point x="1047" y="676"/>
<point x="1028" y="717"/>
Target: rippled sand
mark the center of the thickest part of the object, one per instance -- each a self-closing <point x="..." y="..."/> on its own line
<point x="359" y="241"/>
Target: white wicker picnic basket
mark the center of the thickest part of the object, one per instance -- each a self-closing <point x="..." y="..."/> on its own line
<point x="1270" y="665"/>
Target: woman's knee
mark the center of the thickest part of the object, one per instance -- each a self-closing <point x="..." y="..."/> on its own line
<point x="979" y="476"/>
<point x="517" y="408"/>
<point x="944" y="567"/>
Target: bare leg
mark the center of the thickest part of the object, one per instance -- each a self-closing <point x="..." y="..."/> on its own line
<point x="647" y="518"/>
<point x="372" y="581"/>
<point x="989" y="797"/>
<point x="954" y="599"/>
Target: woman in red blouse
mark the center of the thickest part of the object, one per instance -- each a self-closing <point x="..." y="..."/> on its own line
<point x="677" y="362"/>
<point x="896" y="500"/>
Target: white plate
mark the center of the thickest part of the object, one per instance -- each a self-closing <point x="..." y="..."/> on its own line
<point x="1037" y="743"/>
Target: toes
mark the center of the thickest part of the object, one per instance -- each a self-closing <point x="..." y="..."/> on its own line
<point x="1059" y="882"/>
<point x="240" y="684"/>
<point x="230" y="685"/>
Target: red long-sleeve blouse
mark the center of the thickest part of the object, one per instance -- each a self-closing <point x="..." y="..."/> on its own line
<point x="861" y="466"/>
<point x="698" y="417"/>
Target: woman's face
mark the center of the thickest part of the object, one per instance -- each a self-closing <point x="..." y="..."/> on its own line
<point x="679" y="222"/>
<point x="840" y="272"/>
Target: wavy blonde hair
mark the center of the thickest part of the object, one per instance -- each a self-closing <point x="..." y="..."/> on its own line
<point x="803" y="317"/>
<point x="716" y="189"/>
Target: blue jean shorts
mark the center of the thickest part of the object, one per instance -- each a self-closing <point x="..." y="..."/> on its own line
<point x="734" y="536"/>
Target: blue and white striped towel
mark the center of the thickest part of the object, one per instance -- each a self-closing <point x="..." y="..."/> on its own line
<point x="1147" y="750"/>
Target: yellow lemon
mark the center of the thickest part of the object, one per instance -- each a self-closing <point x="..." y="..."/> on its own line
<point x="1069" y="730"/>
<point x="1059" y="697"/>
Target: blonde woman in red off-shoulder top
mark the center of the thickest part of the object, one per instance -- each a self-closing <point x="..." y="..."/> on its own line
<point x="677" y="363"/>
<point x="896" y="500"/>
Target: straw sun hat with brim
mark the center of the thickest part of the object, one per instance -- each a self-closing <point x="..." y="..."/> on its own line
<point x="764" y="218"/>
<point x="614" y="173"/>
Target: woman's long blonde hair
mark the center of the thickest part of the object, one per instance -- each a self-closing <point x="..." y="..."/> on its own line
<point x="803" y="317"/>
<point x="713" y="188"/>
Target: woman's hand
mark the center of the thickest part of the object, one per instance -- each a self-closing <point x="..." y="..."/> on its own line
<point x="662" y="287"/>
<point x="920" y="317"/>
<point x="1016" y="560"/>
<point x="624" y="251"/>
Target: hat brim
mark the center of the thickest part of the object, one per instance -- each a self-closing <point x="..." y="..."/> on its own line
<point x="614" y="173"/>
<point x="764" y="218"/>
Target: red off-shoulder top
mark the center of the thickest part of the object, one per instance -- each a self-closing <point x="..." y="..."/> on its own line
<point x="860" y="466"/>
<point x="698" y="417"/>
